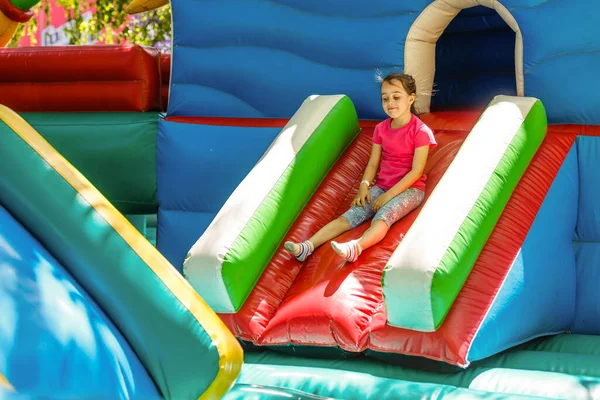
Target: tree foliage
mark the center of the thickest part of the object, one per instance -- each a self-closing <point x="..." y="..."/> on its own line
<point x="102" y="21"/>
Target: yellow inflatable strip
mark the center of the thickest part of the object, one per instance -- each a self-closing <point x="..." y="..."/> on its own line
<point x="230" y="351"/>
<point x="139" y="6"/>
<point x="5" y="383"/>
<point x="8" y="27"/>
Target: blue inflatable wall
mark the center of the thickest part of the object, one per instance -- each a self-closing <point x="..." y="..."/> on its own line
<point x="587" y="238"/>
<point x="199" y="166"/>
<point x="252" y="58"/>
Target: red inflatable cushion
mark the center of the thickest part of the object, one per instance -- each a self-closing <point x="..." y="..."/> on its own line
<point x="165" y="75"/>
<point x="80" y="78"/>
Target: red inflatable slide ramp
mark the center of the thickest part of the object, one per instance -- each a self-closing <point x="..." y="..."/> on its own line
<point x="80" y="78"/>
<point x="326" y="302"/>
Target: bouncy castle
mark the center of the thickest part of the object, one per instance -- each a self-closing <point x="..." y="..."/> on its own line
<point x="145" y="200"/>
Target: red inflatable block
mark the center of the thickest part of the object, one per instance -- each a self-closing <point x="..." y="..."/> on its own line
<point x="165" y="75"/>
<point x="583" y="130"/>
<point x="80" y="78"/>
<point x="228" y="121"/>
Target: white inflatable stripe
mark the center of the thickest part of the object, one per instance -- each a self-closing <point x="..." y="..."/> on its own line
<point x="428" y="239"/>
<point x="203" y="267"/>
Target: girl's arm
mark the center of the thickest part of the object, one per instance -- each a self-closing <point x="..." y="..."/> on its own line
<point x="418" y="166"/>
<point x="363" y="196"/>
<point x="373" y="165"/>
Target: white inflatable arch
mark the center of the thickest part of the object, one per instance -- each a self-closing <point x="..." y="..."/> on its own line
<point x="419" y="51"/>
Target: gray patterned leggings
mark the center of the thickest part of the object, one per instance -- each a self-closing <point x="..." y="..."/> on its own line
<point x="391" y="212"/>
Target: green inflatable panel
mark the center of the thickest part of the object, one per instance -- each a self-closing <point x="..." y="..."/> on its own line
<point x="547" y="384"/>
<point x="340" y="384"/>
<point x="576" y="344"/>
<point x="243" y="391"/>
<point x="568" y="371"/>
<point x="564" y="363"/>
<point x="114" y="151"/>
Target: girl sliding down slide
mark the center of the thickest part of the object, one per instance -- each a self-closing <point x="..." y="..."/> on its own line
<point x="393" y="183"/>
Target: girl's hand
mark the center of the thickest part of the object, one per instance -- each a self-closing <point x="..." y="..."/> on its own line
<point x="362" y="198"/>
<point x="381" y="201"/>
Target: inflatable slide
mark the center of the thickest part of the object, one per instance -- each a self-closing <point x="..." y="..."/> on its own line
<point x="396" y="296"/>
<point x="136" y="246"/>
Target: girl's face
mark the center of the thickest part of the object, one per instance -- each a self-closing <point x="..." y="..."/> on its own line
<point x="394" y="99"/>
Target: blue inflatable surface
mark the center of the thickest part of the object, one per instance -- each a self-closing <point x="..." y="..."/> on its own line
<point x="54" y="339"/>
<point x="587" y="238"/>
<point x="519" y="312"/>
<point x="198" y="167"/>
<point x="253" y="58"/>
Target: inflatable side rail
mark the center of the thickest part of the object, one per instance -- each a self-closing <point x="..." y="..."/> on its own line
<point x="229" y="258"/>
<point x="5" y="384"/>
<point x="429" y="267"/>
<point x="12" y="13"/>
<point x="183" y="344"/>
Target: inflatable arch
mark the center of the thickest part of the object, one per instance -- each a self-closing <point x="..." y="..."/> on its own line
<point x="419" y="50"/>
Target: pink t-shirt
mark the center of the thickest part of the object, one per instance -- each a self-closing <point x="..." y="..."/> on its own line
<point x="398" y="149"/>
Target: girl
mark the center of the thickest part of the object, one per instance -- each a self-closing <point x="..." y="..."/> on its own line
<point x="400" y="148"/>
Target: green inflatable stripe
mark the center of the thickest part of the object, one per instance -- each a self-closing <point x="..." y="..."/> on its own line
<point x="258" y="241"/>
<point x="242" y="391"/>
<point x="566" y="343"/>
<point x="116" y="152"/>
<point x="267" y="368"/>
<point x="471" y="237"/>
<point x="564" y="363"/>
<point x="177" y="351"/>
<point x="337" y="384"/>
<point x="24" y="5"/>
<point x="550" y="384"/>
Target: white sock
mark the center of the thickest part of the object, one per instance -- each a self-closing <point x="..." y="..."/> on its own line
<point x="300" y="250"/>
<point x="349" y="250"/>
